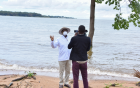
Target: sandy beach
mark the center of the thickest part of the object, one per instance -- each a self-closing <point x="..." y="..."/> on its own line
<point x="53" y="82"/>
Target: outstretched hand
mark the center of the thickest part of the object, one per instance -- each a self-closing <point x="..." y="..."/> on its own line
<point x="52" y="38"/>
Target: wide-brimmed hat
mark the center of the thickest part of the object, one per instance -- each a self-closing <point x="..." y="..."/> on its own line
<point x="82" y="28"/>
<point x="60" y="31"/>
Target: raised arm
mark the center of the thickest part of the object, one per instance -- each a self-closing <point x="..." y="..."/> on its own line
<point x="54" y="44"/>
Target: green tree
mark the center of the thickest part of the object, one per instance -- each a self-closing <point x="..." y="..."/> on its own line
<point x="119" y="21"/>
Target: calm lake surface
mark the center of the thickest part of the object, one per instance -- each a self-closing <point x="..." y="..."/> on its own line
<point x="25" y="45"/>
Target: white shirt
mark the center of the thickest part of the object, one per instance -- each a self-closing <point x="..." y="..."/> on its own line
<point x="64" y="52"/>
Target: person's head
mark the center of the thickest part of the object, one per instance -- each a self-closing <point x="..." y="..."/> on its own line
<point x="64" y="31"/>
<point x="81" y="29"/>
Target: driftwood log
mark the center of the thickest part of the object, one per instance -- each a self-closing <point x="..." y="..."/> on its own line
<point x="20" y="78"/>
<point x="23" y="77"/>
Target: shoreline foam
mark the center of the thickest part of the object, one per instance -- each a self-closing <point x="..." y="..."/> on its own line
<point x="56" y="74"/>
<point x="48" y="72"/>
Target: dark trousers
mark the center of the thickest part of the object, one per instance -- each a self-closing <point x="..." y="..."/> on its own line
<point x="83" y="68"/>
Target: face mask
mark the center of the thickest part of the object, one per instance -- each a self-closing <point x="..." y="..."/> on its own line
<point x="65" y="33"/>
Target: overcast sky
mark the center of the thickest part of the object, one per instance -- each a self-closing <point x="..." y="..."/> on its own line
<point x="71" y="8"/>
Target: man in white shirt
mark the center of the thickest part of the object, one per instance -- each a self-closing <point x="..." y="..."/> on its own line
<point x="64" y="55"/>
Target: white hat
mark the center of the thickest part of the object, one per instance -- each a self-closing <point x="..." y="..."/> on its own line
<point x="60" y="31"/>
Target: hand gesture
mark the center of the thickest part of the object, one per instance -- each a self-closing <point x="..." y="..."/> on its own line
<point x="52" y="38"/>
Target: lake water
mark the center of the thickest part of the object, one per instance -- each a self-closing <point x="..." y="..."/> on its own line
<point x="25" y="45"/>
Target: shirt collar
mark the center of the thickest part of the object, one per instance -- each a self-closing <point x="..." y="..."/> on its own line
<point x="64" y="37"/>
<point x="80" y="34"/>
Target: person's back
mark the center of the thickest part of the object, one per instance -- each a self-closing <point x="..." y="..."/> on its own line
<point x="80" y="44"/>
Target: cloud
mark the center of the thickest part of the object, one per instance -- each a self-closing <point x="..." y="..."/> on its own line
<point x="59" y="4"/>
<point x="66" y="11"/>
<point x="71" y="8"/>
<point x="1" y="7"/>
<point x="69" y="13"/>
<point x="104" y="7"/>
<point x="28" y="3"/>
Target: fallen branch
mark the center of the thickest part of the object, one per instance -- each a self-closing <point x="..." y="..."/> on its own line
<point x="26" y="76"/>
<point x="20" y="78"/>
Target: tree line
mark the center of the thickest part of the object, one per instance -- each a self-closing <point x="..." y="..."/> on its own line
<point x="29" y="14"/>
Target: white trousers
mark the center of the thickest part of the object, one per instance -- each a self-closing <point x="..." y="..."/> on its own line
<point x="64" y="66"/>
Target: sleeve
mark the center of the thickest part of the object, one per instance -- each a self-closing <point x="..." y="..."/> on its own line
<point x="89" y="44"/>
<point x="54" y="44"/>
<point x="70" y="45"/>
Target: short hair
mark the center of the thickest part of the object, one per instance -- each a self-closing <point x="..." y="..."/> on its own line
<point x="81" y="28"/>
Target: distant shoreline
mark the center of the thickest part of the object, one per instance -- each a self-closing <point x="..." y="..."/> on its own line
<point x="30" y="14"/>
<point x="34" y="17"/>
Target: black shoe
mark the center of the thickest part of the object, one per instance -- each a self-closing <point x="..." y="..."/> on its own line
<point x="67" y="85"/>
<point x="60" y="86"/>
